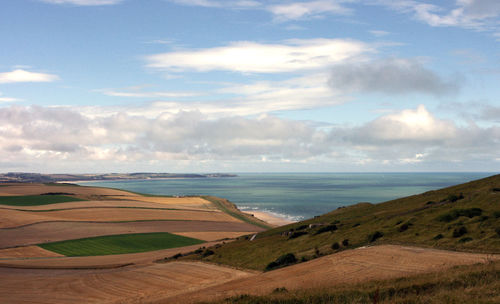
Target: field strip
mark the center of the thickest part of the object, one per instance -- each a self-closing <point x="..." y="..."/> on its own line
<point x="133" y="284"/>
<point x="120" y="244"/>
<point x="17" y="219"/>
<point x="59" y="231"/>
<point x="349" y="266"/>
<point x="62" y="262"/>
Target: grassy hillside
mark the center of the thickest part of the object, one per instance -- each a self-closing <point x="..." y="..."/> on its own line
<point x="463" y="217"/>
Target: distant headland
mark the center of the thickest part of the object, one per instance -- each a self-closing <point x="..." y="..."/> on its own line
<point x="22" y="177"/>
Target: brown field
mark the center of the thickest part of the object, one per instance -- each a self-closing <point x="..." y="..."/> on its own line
<point x="15" y="218"/>
<point x="131" y="284"/>
<point x="26" y="252"/>
<point x="84" y="192"/>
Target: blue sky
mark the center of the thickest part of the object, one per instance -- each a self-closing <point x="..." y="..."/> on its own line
<point x="215" y="85"/>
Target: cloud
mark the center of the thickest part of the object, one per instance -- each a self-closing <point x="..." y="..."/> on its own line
<point x="473" y="14"/>
<point x="219" y="3"/>
<point x="415" y="126"/>
<point x="50" y="137"/>
<point x="7" y="99"/>
<point x="252" y="57"/>
<point x="390" y="76"/>
<point x="84" y="2"/>
<point x="307" y="9"/>
<point x="26" y="76"/>
<point x="142" y="94"/>
<point x="379" y="33"/>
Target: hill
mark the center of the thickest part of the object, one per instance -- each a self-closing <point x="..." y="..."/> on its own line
<point x="463" y="217"/>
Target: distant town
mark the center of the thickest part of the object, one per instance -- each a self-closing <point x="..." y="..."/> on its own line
<point x="22" y="177"/>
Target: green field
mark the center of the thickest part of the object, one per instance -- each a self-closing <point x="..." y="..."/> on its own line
<point x="36" y="200"/>
<point x="120" y="244"/>
<point x="464" y="217"/>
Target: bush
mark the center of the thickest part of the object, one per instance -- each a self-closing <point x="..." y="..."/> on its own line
<point x="403" y="227"/>
<point x="375" y="236"/>
<point x="357" y="224"/>
<point x="345" y="242"/>
<point x="465" y="240"/>
<point x="458" y="232"/>
<point x="207" y="252"/>
<point x="177" y="256"/>
<point x="282" y="261"/>
<point x="438" y="237"/>
<point x="497" y="230"/>
<point x="296" y="234"/>
<point x="496" y="214"/>
<point x="326" y="229"/>
<point x="335" y="246"/>
<point x="456" y="213"/>
<point x="453" y="198"/>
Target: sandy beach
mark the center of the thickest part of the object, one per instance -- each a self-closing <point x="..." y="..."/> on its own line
<point x="270" y="218"/>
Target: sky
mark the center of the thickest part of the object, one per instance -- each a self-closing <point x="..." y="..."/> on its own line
<point x="95" y="86"/>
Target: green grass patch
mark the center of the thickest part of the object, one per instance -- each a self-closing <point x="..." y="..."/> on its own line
<point x="120" y="244"/>
<point x="36" y="200"/>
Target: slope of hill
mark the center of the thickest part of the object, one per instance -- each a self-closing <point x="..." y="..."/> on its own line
<point x="465" y="217"/>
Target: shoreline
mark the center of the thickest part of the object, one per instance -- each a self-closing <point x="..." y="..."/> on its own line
<point x="269" y="218"/>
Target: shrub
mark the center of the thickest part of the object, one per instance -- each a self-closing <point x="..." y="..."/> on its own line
<point x="177" y="256"/>
<point x="403" y="227"/>
<point x="375" y="236"/>
<point x="301" y="227"/>
<point x="280" y="290"/>
<point x="453" y="198"/>
<point x="496" y="214"/>
<point x="357" y="224"/>
<point x="430" y="203"/>
<point x="326" y="229"/>
<point x="458" y="232"/>
<point x="207" y="252"/>
<point x="335" y="246"/>
<point x="456" y="213"/>
<point x="345" y="242"/>
<point x="465" y="240"/>
<point x="438" y="237"/>
<point x="296" y="234"/>
<point x="497" y="230"/>
<point x="282" y="261"/>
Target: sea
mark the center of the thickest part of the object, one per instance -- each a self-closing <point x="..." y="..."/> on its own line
<point x="298" y="196"/>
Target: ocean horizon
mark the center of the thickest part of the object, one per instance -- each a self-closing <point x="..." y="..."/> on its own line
<point x="298" y="196"/>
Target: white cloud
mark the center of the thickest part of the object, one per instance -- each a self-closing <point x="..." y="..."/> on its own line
<point x="26" y="76"/>
<point x="219" y="3"/>
<point x="53" y="136"/>
<point x="252" y="57"/>
<point x="84" y="2"/>
<point x="409" y="125"/>
<point x="143" y="94"/>
<point x="300" y="10"/>
<point x="473" y="14"/>
<point x="379" y="33"/>
<point x="7" y="99"/>
<point x="390" y="76"/>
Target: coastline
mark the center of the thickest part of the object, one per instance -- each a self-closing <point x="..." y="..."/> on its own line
<point x="269" y="218"/>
